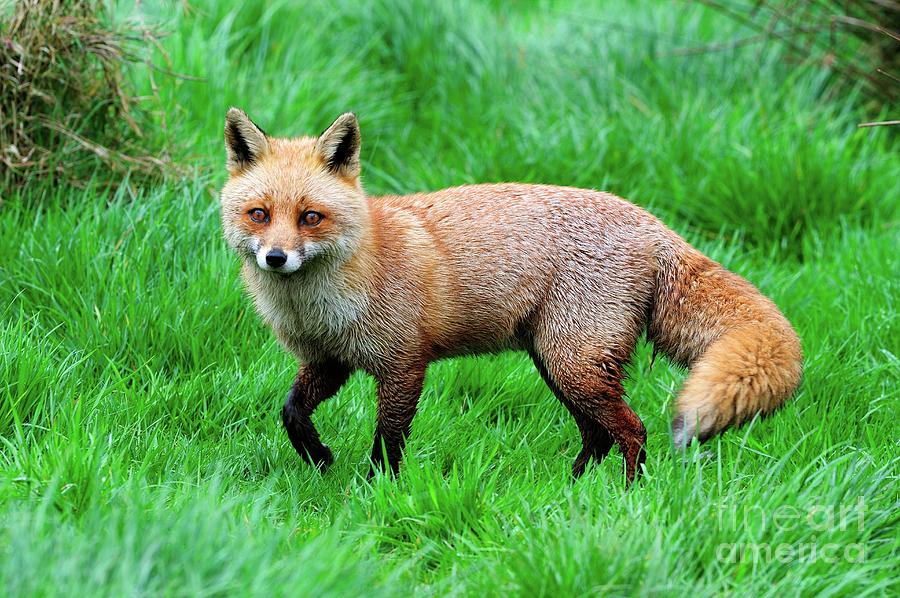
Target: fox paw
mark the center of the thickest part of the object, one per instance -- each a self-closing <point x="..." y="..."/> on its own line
<point x="320" y="456"/>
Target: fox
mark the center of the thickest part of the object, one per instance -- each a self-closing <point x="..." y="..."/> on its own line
<point x="573" y="277"/>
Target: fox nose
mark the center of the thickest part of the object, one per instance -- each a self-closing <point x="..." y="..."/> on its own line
<point x="276" y="258"/>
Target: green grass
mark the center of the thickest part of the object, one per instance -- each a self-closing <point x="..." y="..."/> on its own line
<point x="141" y="450"/>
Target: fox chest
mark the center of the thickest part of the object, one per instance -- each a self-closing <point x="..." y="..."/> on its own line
<point x="313" y="320"/>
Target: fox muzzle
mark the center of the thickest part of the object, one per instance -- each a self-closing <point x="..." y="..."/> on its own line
<point x="276" y="259"/>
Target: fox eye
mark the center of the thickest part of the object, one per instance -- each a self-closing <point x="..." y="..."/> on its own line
<point x="310" y="218"/>
<point x="258" y="215"/>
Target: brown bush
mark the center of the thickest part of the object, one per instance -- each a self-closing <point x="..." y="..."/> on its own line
<point x="67" y="112"/>
<point x="859" y="40"/>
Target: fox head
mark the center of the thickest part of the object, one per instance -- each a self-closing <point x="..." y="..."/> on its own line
<point x="290" y="203"/>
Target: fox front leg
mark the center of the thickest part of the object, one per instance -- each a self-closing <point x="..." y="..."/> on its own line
<point x="398" y="399"/>
<point x="315" y="383"/>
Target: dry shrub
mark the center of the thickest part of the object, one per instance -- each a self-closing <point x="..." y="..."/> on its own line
<point x="67" y="111"/>
<point x="859" y="40"/>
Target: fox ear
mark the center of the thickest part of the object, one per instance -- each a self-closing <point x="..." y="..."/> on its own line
<point x="245" y="143"/>
<point x="338" y="146"/>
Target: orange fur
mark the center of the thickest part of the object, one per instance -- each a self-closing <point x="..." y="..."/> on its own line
<point x="572" y="276"/>
<point x="745" y="357"/>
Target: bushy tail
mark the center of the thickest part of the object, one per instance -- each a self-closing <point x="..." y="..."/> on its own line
<point x="743" y="354"/>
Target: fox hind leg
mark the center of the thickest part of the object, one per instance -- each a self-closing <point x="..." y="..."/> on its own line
<point x="595" y="440"/>
<point x="591" y="388"/>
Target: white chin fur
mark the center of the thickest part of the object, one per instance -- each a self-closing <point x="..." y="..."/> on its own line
<point x="293" y="263"/>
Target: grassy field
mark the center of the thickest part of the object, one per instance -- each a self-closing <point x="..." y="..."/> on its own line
<point x="141" y="448"/>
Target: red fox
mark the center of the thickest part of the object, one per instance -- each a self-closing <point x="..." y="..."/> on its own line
<point x="389" y="284"/>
